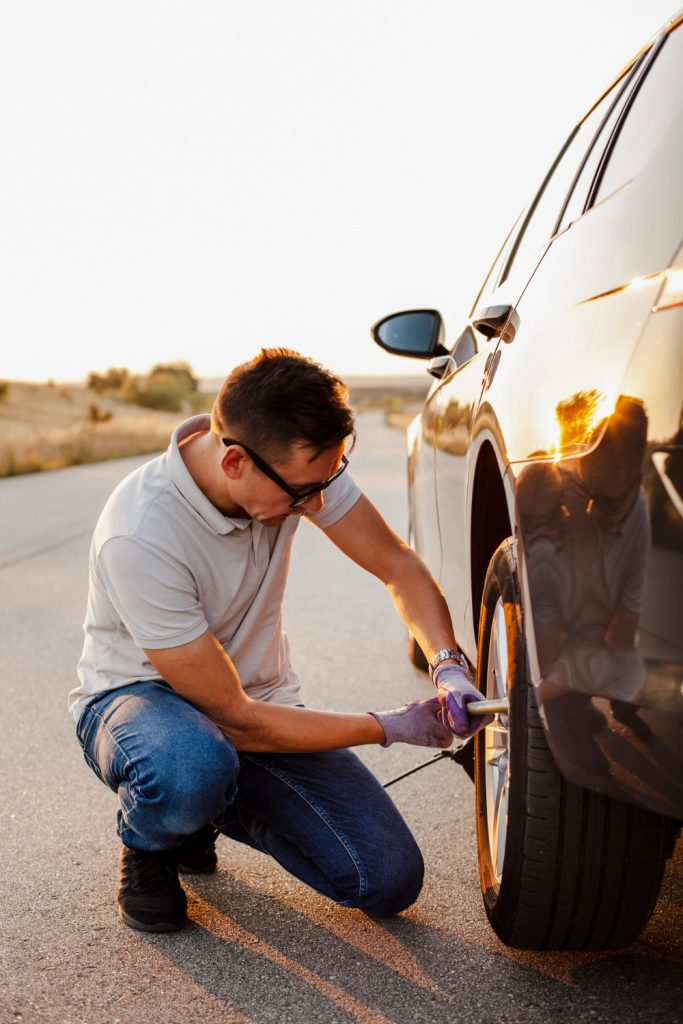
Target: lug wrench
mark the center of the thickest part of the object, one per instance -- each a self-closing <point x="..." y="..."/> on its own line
<point x="500" y="706"/>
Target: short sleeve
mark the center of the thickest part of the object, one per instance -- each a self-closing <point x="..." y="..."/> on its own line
<point x="153" y="594"/>
<point x="339" y="498"/>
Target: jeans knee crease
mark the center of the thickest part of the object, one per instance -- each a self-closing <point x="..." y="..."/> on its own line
<point x="320" y="811"/>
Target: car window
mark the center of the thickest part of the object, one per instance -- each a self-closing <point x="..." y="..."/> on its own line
<point x="465" y="348"/>
<point x="655" y="104"/>
<point x="547" y="205"/>
<point x="491" y="278"/>
<point x="608" y="110"/>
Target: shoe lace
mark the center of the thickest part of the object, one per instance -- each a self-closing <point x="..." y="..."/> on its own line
<point x="150" y="871"/>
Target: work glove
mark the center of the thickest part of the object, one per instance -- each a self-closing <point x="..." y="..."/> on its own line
<point x="454" y="691"/>
<point x="416" y="723"/>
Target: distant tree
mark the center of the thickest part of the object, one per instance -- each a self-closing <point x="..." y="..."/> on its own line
<point x="4" y="390"/>
<point x="178" y="370"/>
<point x="168" y="386"/>
<point x="113" y="380"/>
<point x="161" y="391"/>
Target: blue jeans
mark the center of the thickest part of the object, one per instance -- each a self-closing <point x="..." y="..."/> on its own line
<point x="324" y="817"/>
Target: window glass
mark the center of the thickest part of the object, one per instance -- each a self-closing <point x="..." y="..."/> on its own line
<point x="465" y="348"/>
<point x="548" y="204"/>
<point x="611" y="106"/>
<point x="654" y="106"/>
<point x="492" y="277"/>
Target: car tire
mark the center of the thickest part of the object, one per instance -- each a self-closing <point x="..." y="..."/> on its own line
<point x="416" y="655"/>
<point x="561" y="867"/>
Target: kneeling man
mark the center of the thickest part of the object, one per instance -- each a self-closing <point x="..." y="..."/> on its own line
<point x="188" y="706"/>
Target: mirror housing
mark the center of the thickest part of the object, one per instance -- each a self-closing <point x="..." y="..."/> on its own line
<point x="417" y="333"/>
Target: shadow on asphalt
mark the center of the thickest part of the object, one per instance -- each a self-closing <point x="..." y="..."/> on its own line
<point x="268" y="960"/>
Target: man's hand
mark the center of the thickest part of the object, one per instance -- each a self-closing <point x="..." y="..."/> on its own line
<point x="455" y="691"/>
<point x="417" y="723"/>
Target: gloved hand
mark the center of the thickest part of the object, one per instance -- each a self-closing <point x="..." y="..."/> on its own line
<point x="416" y="723"/>
<point x="454" y="690"/>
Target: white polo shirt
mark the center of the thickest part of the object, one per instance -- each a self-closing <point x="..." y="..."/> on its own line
<point x="166" y="564"/>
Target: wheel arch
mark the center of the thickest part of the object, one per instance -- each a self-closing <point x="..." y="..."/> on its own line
<point x="491" y="512"/>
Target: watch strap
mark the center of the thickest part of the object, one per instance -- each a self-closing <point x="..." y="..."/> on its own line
<point x="447" y="654"/>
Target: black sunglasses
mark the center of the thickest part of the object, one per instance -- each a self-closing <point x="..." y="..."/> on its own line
<point x="298" y="495"/>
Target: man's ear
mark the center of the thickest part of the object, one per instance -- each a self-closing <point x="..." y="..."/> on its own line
<point x="232" y="462"/>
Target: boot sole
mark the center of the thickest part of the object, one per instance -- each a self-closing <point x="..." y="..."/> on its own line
<point x="156" y="926"/>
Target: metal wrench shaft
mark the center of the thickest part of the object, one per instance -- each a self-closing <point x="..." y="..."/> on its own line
<point x="500" y="706"/>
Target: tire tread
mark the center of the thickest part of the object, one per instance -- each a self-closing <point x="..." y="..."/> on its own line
<point x="582" y="870"/>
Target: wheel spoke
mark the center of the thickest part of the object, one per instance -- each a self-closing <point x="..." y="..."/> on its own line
<point x="500" y="650"/>
<point x="496" y="743"/>
<point x="501" y="827"/>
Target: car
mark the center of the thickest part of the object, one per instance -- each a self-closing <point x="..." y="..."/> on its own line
<point x="545" y="480"/>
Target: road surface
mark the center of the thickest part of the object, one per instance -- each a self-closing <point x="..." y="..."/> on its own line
<point x="261" y="947"/>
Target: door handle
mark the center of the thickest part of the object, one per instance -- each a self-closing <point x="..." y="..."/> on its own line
<point x="441" y="366"/>
<point x="497" y="322"/>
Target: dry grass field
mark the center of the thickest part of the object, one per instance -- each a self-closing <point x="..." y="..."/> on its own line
<point x="48" y="426"/>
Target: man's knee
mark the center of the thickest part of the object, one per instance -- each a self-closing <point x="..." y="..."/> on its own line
<point x="390" y="884"/>
<point x="184" y="788"/>
<point x="396" y="882"/>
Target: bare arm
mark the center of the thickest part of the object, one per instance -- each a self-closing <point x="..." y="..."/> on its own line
<point x="621" y="632"/>
<point x="203" y="673"/>
<point x="365" y="537"/>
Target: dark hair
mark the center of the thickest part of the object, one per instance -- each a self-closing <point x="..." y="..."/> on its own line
<point x="623" y="443"/>
<point x="279" y="398"/>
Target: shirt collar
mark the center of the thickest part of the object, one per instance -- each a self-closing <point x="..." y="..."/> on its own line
<point x="184" y="481"/>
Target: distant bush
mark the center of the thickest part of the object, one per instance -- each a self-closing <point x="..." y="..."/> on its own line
<point x="4" y="390"/>
<point x="155" y="393"/>
<point x="113" y="380"/>
<point x="97" y="415"/>
<point x="168" y="386"/>
<point x="179" y="372"/>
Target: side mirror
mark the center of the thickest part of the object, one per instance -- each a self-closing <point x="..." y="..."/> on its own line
<point x="416" y="332"/>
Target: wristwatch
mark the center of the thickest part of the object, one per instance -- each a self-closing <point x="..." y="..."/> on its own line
<point x="447" y="654"/>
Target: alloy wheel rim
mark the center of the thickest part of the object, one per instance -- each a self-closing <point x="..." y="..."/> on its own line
<point x="496" y="744"/>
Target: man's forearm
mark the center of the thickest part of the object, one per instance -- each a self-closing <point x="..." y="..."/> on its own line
<point x="202" y="673"/>
<point x="274" y="728"/>
<point x="421" y="605"/>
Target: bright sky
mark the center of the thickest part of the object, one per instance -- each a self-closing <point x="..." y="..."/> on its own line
<point x="193" y="180"/>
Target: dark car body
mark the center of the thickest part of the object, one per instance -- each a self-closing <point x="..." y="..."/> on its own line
<point x="556" y="419"/>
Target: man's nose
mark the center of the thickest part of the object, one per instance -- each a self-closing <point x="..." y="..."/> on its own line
<point x="314" y="503"/>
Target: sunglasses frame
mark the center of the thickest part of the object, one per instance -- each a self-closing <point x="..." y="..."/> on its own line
<point x="299" y="496"/>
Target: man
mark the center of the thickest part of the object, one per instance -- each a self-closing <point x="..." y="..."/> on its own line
<point x="188" y="706"/>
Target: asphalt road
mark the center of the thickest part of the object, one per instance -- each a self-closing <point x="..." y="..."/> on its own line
<point x="261" y="947"/>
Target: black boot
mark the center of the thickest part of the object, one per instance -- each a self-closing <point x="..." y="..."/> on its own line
<point x="196" y="855"/>
<point x="150" y="896"/>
